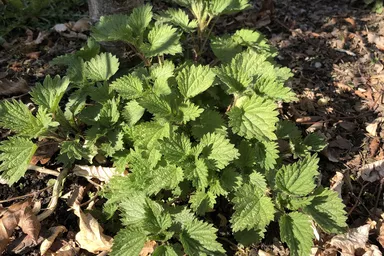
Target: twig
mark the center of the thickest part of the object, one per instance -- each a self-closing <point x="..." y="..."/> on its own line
<point x="378" y="196"/>
<point x="358" y="199"/>
<point x="23" y="196"/>
<point x="43" y="170"/>
<point x="57" y="188"/>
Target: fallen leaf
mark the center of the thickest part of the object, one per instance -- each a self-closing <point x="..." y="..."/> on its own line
<point x="341" y="143"/>
<point x="377" y="40"/>
<point x="19" y="214"/>
<point x="47" y="243"/>
<point x="372" y="172"/>
<point x="44" y="153"/>
<point x="8" y="87"/>
<point x="67" y="249"/>
<point x="380" y="238"/>
<point x="81" y="25"/>
<point x="98" y="172"/>
<point x="374" y="146"/>
<point x="40" y="38"/>
<point x="337" y="183"/>
<point x="60" y="27"/>
<point x="90" y="237"/>
<point x="372" y="127"/>
<point x="354" y="239"/>
<point x="148" y="248"/>
<point x="33" y="55"/>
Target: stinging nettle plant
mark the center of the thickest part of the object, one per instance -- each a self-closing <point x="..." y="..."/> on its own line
<point x="195" y="121"/>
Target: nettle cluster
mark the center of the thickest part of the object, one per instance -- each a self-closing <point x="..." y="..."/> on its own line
<point x="188" y="131"/>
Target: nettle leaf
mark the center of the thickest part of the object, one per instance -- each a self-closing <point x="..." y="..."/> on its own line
<point x="238" y="5"/>
<point x="253" y="209"/>
<point x="209" y="121"/>
<point x="200" y="174"/>
<point x="49" y="94"/>
<point x="296" y="231"/>
<point x="298" y="178"/>
<point x="70" y="151"/>
<point x="164" y="250"/>
<point x="327" y="209"/>
<point x="139" y="19"/>
<point x="147" y="134"/>
<point x="199" y="238"/>
<point x="266" y="154"/>
<point x="162" y="71"/>
<point x="16" y="116"/>
<point x="113" y="28"/>
<point x="179" y="18"/>
<point x="163" y="39"/>
<point x="190" y="111"/>
<point x="254" y="117"/>
<point x="157" y="105"/>
<point x="202" y="201"/>
<point x="193" y="80"/>
<point x="239" y="73"/>
<point x="218" y="148"/>
<point x="15" y="155"/>
<point x="132" y="112"/>
<point x="269" y="86"/>
<point x="225" y="48"/>
<point x="315" y="142"/>
<point x="129" y="87"/>
<point x="102" y="67"/>
<point x="128" y="242"/>
<point x="175" y="148"/>
<point x="109" y="113"/>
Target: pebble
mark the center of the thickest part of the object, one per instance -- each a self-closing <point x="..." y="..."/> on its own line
<point x="318" y="65"/>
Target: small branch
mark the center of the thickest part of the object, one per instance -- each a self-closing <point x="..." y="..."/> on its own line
<point x="57" y="188"/>
<point x="23" y="196"/>
<point x="43" y="170"/>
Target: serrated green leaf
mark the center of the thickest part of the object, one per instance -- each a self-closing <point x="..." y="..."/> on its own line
<point x="113" y="28"/>
<point x="132" y="112"/>
<point x="217" y="147"/>
<point x="109" y="113"/>
<point x="129" y="87"/>
<point x="162" y="71"/>
<point x="147" y="134"/>
<point x="287" y="130"/>
<point x="230" y="179"/>
<point x="239" y="73"/>
<point x="164" y="250"/>
<point x="298" y="178"/>
<point x="253" y="209"/>
<point x="254" y="117"/>
<point x="225" y="48"/>
<point x="163" y="39"/>
<point x="70" y="151"/>
<point x="190" y="111"/>
<point x="15" y="155"/>
<point x="193" y="80"/>
<point x="208" y="122"/>
<point x="49" y="94"/>
<point x="248" y="237"/>
<point x="200" y="174"/>
<point x="175" y="148"/>
<point x="139" y="20"/>
<point x="16" y="116"/>
<point x="266" y="154"/>
<point x="202" y="201"/>
<point x="296" y="203"/>
<point x="157" y="105"/>
<point x="89" y="51"/>
<point x="315" y="142"/>
<point x="133" y="210"/>
<point x="178" y="18"/>
<point x="296" y="231"/>
<point x="157" y="220"/>
<point x="101" y="67"/>
<point x="128" y="242"/>
<point x="270" y="87"/>
<point x="217" y="7"/>
<point x="114" y="142"/>
<point x="327" y="209"/>
<point x="199" y="238"/>
<point x="76" y="71"/>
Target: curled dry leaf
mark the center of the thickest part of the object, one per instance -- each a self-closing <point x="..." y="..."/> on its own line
<point x="372" y="127"/>
<point x="81" y="25"/>
<point x="337" y="183"/>
<point x="372" y="172"/>
<point x="53" y="233"/>
<point x="90" y="237"/>
<point x="19" y="214"/>
<point x="354" y="239"/>
<point x="377" y="40"/>
<point x="68" y="249"/>
<point x="148" y="248"/>
<point x="98" y="172"/>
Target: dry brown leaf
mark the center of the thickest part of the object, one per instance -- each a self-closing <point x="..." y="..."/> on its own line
<point x="90" y="237"/>
<point x="68" y="249"/>
<point x="374" y="146"/>
<point x="354" y="239"/>
<point x="98" y="172"/>
<point x="377" y="40"/>
<point x="19" y="214"/>
<point x="81" y="25"/>
<point x="44" y="153"/>
<point x="372" y="172"/>
<point x="47" y="243"/>
<point x="8" y="87"/>
<point x="337" y="183"/>
<point x="372" y="127"/>
<point x="148" y="248"/>
<point x="380" y="238"/>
